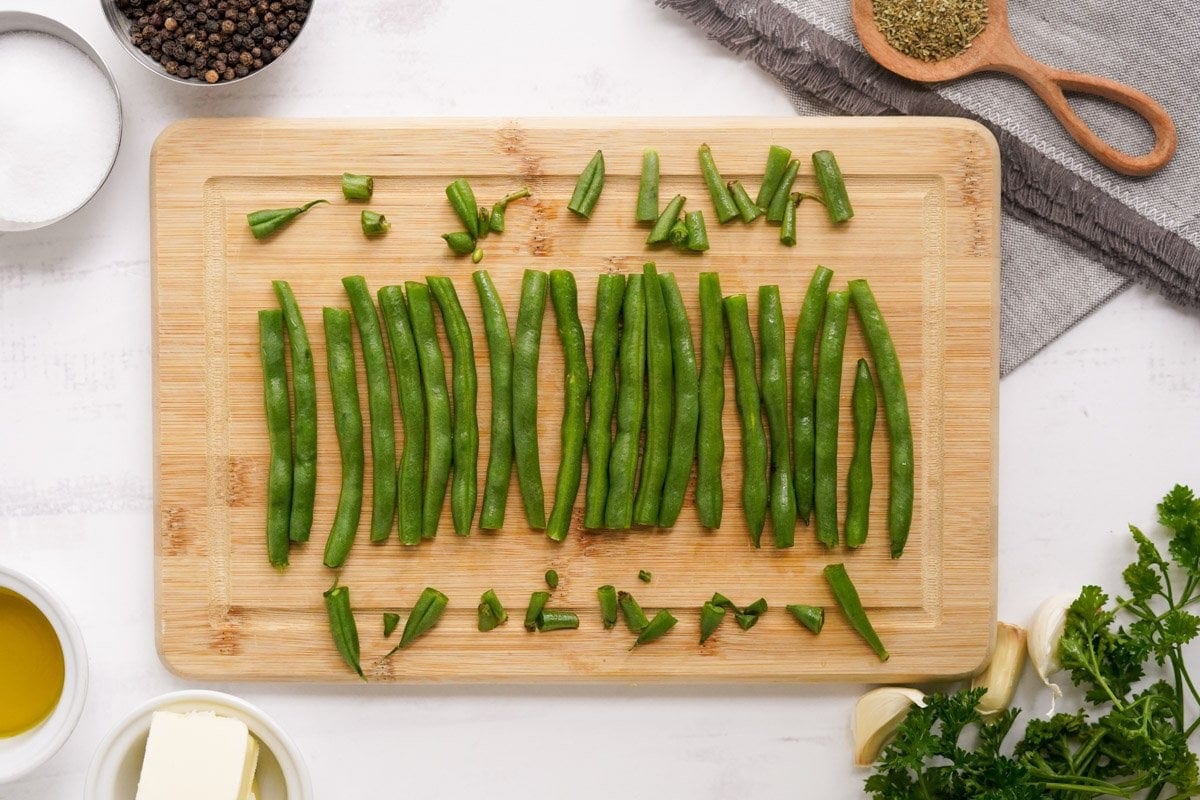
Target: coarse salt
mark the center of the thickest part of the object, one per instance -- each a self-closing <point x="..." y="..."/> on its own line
<point x="59" y="127"/>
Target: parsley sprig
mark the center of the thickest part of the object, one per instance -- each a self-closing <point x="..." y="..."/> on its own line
<point x="1132" y="737"/>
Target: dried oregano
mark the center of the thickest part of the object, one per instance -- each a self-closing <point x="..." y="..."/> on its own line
<point x="931" y="30"/>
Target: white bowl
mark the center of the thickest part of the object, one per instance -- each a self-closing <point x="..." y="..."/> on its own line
<point x="20" y="755"/>
<point x="117" y="764"/>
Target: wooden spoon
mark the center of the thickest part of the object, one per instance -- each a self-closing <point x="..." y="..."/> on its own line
<point x="995" y="51"/>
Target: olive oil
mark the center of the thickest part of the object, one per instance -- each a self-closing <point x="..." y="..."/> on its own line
<point x="31" y="665"/>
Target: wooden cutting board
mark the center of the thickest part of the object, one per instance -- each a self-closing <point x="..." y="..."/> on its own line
<point x="926" y="234"/>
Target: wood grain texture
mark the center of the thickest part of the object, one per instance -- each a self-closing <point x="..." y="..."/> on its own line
<point x="926" y="234"/>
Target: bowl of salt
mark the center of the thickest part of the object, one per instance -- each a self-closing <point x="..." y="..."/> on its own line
<point x="62" y="121"/>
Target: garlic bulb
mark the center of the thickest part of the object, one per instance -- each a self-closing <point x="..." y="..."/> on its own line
<point x="877" y="715"/>
<point x="1045" y="632"/>
<point x="1003" y="672"/>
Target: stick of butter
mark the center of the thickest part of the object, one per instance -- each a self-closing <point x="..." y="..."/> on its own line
<point x="197" y="756"/>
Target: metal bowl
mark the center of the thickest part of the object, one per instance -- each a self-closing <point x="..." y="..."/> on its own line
<point x="119" y="23"/>
<point x="15" y="21"/>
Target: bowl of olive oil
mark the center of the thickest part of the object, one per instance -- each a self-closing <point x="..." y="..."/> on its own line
<point x="43" y="675"/>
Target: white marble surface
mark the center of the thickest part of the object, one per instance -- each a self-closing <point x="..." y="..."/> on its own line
<point x="1093" y="430"/>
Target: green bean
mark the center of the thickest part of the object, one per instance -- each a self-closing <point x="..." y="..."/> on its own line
<point x="476" y="255"/>
<point x="438" y="439"/>
<point x="858" y="482"/>
<point x="895" y="412"/>
<point x="852" y="607"/>
<point x="496" y="221"/>
<point x="588" y="187"/>
<point x="829" y="395"/>
<point x="460" y="242"/>
<point x="635" y="618"/>
<point x="687" y="404"/>
<point x="787" y="229"/>
<point x="279" y="430"/>
<point x="804" y="389"/>
<point x="465" y="424"/>
<point x="607" y="595"/>
<point x="526" y="349"/>
<point x="342" y="625"/>
<point x="647" y="198"/>
<point x="748" y="617"/>
<point x="462" y="200"/>
<point x="411" y="474"/>
<point x="661" y="232"/>
<point x="485" y="222"/>
<point x="754" y="439"/>
<point x="833" y="186"/>
<point x="424" y="615"/>
<point x="631" y="406"/>
<point x="679" y="235"/>
<point x="304" y="396"/>
<point x="778" y="204"/>
<point x="645" y="576"/>
<point x="379" y="403"/>
<point x="552" y="578"/>
<point x="347" y="421"/>
<point x="357" y="187"/>
<point x="500" y="355"/>
<point x="537" y="602"/>
<point x="491" y="611"/>
<point x="373" y="223"/>
<point x="269" y="220"/>
<point x="658" y="402"/>
<point x="778" y="161"/>
<point x="710" y="446"/>
<point x="663" y="622"/>
<point x="811" y="617"/>
<point x="697" y="232"/>
<point x="390" y="622"/>
<point x="772" y="341"/>
<point x="710" y="619"/>
<point x="565" y="298"/>
<point x="745" y="205"/>
<point x="554" y="619"/>
<point x="722" y="200"/>
<point x="603" y="395"/>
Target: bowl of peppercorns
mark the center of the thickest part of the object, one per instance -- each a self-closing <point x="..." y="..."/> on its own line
<point x="207" y="42"/>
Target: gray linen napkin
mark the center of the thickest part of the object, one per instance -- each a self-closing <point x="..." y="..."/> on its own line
<point x="1074" y="233"/>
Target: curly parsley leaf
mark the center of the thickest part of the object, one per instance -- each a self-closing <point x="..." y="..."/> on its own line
<point x="1103" y="661"/>
<point x="1180" y="512"/>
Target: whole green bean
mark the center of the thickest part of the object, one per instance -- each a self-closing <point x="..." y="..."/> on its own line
<point x="804" y="389"/>
<point x="565" y="298"/>
<point x="462" y="200"/>
<point x="697" y="231"/>
<point x="602" y="395"/>
<point x="722" y="200"/>
<point x="555" y="619"/>
<point x="269" y="220"/>
<point x="895" y="412"/>
<point x="778" y="161"/>
<point x="279" y="431"/>
<point x="687" y="403"/>
<point x="833" y="186"/>
<point x="526" y="350"/>
<point x="710" y="439"/>
<point x="342" y="625"/>
<point x="772" y="342"/>
<point x="304" y="397"/>
<point x="410" y="483"/>
<point x="754" y="439"/>
<point x="537" y="601"/>
<point x="661" y="232"/>
<point x="631" y="406"/>
<point x="347" y="421"/>
<point x="659" y="402"/>
<point x="852" y="607"/>
<point x="858" y="482"/>
<point x="811" y="617"/>
<point x="500" y="355"/>
<point x="787" y="228"/>
<point x="710" y="619"/>
<point x="465" y="425"/>
<point x="357" y="187"/>
<point x="745" y="205"/>
<point x="635" y="617"/>
<point x="379" y="403"/>
<point x="438" y="439"/>
<point x="829" y="396"/>
<point x="775" y="209"/>
<point x="588" y="187"/>
<point x="663" y="622"/>
<point x="607" y="595"/>
<point x="647" y="198"/>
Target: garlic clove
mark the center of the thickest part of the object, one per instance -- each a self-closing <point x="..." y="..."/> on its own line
<point x="1003" y="672"/>
<point x="1045" y="633"/>
<point x="877" y="715"/>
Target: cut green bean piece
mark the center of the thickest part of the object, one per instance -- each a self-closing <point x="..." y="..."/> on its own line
<point x="390" y="622"/>
<point x="564" y="296"/>
<point x="852" y="607"/>
<point x="424" y="615"/>
<point x="647" y="198"/>
<point x="710" y="619"/>
<point x="787" y="230"/>
<point x="373" y="223"/>
<point x="661" y="232"/>
<point x="644" y="576"/>
<point x="723" y="204"/>
<point x="343" y="627"/>
<point x="858" y="481"/>
<point x="635" y="617"/>
<point x="279" y="431"/>
<point x="588" y="187"/>
<point x="410" y="482"/>
<point x="778" y="161"/>
<point x="778" y="204"/>
<point x="485" y="223"/>
<point x="721" y="600"/>
<point x="552" y="578"/>
<point x="710" y="439"/>
<point x="500" y="356"/>
<point x="610" y="291"/>
<point x="747" y="618"/>
<point x="304" y="396"/>
<point x="607" y="595"/>
<point x="811" y="617"/>
<point x="804" y="389"/>
<point x="462" y="200"/>
<point x="379" y="403"/>
<point x="749" y="403"/>
<point x="631" y="406"/>
<point x="476" y="255"/>
<point x="269" y="220"/>
<point x="687" y="404"/>
<point x="678" y="235"/>
<point x="347" y="422"/>
<point x="496" y="220"/>
<point x="357" y="187"/>
<point x="537" y="601"/>
<point x="526" y="351"/>
<point x="772" y="340"/>
<point x="663" y="622"/>
<point x="697" y="232"/>
<point x="465" y="421"/>
<point x="554" y="619"/>
<point x="833" y="186"/>
<point x="746" y="208"/>
<point x="460" y="242"/>
<point x="439" y="453"/>
<point x="829" y="396"/>
<point x="491" y="611"/>
<point x="659" y="402"/>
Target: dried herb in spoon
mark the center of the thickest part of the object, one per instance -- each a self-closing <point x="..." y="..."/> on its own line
<point x="931" y="30"/>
